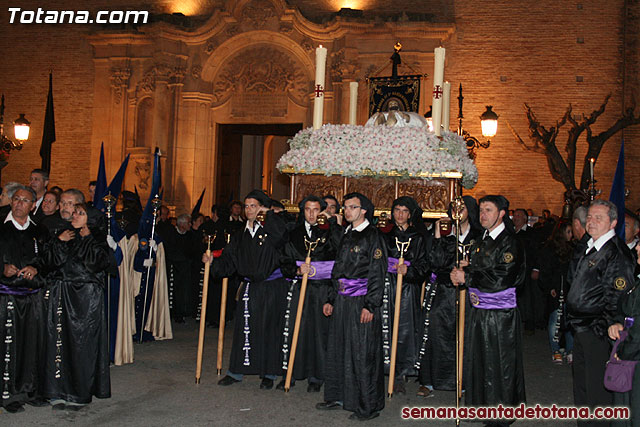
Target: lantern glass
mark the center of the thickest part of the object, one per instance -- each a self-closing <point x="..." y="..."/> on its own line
<point x="21" y="128"/>
<point x="489" y="122"/>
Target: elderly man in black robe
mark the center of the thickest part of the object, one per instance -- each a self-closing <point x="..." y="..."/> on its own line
<point x="438" y="362"/>
<point x="181" y="249"/>
<point x="354" y="374"/>
<point x="254" y="253"/>
<point x="493" y="364"/>
<point x="311" y="352"/>
<point x="407" y="229"/>
<point x="603" y="273"/>
<point x="21" y="307"/>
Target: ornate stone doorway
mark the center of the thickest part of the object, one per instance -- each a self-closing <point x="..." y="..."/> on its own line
<point x="246" y="159"/>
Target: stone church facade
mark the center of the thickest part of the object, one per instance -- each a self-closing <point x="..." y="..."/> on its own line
<point x="237" y="73"/>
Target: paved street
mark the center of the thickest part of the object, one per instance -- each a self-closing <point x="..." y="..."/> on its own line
<point x="159" y="390"/>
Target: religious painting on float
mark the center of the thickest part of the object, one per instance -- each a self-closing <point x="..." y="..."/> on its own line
<point x="386" y="93"/>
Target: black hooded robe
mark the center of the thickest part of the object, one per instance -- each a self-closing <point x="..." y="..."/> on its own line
<point x="77" y="352"/>
<point x="438" y="364"/>
<point x="21" y="315"/>
<point x="257" y="332"/>
<point x="311" y="352"/>
<point x="410" y="314"/>
<point x="493" y="364"/>
<point x="355" y="367"/>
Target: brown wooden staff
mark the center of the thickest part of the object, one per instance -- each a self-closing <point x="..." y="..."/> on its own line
<point x="223" y="316"/>
<point x="402" y="248"/>
<point x="203" y="311"/>
<point x="296" y="330"/>
<point x="457" y="205"/>
<point x="422" y="290"/>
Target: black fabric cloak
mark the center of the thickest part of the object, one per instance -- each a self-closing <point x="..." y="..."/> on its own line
<point x="77" y="354"/>
<point x="355" y="367"/>
<point x="597" y="283"/>
<point x="314" y="327"/>
<point x="493" y="364"/>
<point x="181" y="252"/>
<point x="257" y="332"/>
<point x="21" y="316"/>
<point x="438" y="365"/>
<point x="629" y="349"/>
<point x="410" y="314"/>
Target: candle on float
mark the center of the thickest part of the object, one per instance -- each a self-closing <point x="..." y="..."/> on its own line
<point x="592" y="161"/>
<point x="353" y="102"/>
<point x="438" y="77"/>
<point x="318" y="88"/>
<point x="446" y="100"/>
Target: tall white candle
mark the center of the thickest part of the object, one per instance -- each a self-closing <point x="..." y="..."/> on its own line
<point x="353" y="102"/>
<point x="446" y="100"/>
<point x="438" y="77"/>
<point x="318" y="88"/>
<point x="591" y="164"/>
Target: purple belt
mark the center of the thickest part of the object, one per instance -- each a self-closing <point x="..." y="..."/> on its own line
<point x="9" y="290"/>
<point x="494" y="300"/>
<point x="320" y="270"/>
<point x="352" y="287"/>
<point x="393" y="264"/>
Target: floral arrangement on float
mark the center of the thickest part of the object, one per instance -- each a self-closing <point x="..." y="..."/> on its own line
<point x="378" y="151"/>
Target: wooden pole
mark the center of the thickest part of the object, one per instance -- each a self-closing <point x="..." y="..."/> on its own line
<point x="203" y="313"/>
<point x="396" y="324"/>
<point x="424" y="285"/>
<point x="296" y="329"/>
<point x="221" y="323"/>
<point x="461" y="315"/>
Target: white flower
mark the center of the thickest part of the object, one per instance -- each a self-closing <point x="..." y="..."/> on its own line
<point x="349" y="150"/>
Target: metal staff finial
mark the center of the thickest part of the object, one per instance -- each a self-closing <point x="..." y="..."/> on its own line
<point x="402" y="246"/>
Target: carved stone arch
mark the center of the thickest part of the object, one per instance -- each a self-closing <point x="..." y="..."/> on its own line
<point x="256" y="9"/>
<point x="230" y="48"/>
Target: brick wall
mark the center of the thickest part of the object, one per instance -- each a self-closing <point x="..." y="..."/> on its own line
<point x="533" y="46"/>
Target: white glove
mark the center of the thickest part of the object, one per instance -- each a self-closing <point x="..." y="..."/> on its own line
<point x="112" y="242"/>
<point x="153" y="245"/>
<point x="147" y="262"/>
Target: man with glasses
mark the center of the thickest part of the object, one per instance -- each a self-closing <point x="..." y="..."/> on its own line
<point x="354" y="375"/>
<point x="21" y="307"/>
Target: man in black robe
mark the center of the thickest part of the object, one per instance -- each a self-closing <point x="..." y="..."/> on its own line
<point x="21" y="307"/>
<point x="354" y="374"/>
<point x="407" y="218"/>
<point x="601" y="276"/>
<point x="438" y="362"/>
<point x="255" y="255"/>
<point x="180" y="251"/>
<point x="493" y="364"/>
<point x="311" y="352"/>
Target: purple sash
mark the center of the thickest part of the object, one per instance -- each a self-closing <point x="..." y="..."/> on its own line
<point x="352" y="287"/>
<point x="628" y="322"/>
<point x="320" y="270"/>
<point x="277" y="274"/>
<point x="8" y="290"/>
<point x="393" y="264"/>
<point x="494" y="300"/>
